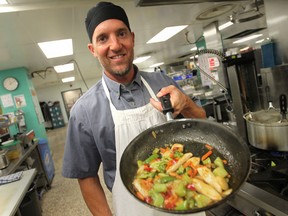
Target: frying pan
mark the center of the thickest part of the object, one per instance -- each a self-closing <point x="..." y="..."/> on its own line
<point x="193" y="134"/>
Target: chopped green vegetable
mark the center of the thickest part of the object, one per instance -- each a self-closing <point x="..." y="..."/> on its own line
<point x="140" y="163"/>
<point x="180" y="170"/>
<point x="202" y="200"/>
<point x="218" y="162"/>
<point x="182" y="206"/>
<point x="159" y="165"/>
<point x="151" y="158"/>
<point x="207" y="161"/>
<point x="157" y="198"/>
<point x="160" y="187"/>
<point x="220" y="171"/>
<point x="166" y="179"/>
<point x="146" y="174"/>
<point x="180" y="188"/>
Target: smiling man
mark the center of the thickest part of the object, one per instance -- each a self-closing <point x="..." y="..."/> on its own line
<point x="114" y="111"/>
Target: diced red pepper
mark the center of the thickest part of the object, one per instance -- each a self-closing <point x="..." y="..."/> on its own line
<point x="191" y="187"/>
<point x="147" y="168"/>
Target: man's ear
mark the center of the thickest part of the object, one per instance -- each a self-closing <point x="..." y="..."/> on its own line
<point x="91" y="49"/>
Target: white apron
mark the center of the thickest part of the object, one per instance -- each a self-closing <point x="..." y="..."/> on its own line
<point x="128" y="124"/>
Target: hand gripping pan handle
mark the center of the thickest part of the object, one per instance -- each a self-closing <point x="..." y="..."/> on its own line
<point x="167" y="106"/>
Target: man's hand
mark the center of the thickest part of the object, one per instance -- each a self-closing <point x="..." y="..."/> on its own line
<point x="180" y="102"/>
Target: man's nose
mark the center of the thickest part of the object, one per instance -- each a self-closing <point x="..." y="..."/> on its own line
<point x="115" y="44"/>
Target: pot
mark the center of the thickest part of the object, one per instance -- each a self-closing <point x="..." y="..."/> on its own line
<point x="4" y="160"/>
<point x="268" y="129"/>
<point x="189" y="132"/>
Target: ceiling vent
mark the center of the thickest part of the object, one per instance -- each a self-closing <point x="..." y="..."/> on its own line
<point x="143" y="3"/>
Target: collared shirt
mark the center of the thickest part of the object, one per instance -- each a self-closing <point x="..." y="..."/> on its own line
<point x="90" y="135"/>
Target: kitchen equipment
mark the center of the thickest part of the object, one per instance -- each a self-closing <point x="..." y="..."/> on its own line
<point x="4" y="160"/>
<point x="14" y="149"/>
<point x="266" y="130"/>
<point x="193" y="134"/>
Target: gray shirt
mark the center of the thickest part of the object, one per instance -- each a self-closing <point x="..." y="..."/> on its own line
<point x="90" y="135"/>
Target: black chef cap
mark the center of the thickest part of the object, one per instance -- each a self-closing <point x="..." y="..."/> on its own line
<point x="101" y="12"/>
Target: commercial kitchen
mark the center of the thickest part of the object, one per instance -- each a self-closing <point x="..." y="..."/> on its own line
<point x="230" y="55"/>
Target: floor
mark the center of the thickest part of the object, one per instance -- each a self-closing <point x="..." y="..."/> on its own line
<point x="64" y="197"/>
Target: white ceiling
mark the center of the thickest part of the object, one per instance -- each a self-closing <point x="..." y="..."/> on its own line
<point x="33" y="21"/>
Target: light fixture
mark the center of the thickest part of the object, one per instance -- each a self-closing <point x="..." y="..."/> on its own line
<point x="225" y="25"/>
<point x="156" y="65"/>
<point x="64" y="68"/>
<point x="196" y="56"/>
<point x="259" y="41"/>
<point x="194" y="48"/>
<point x="68" y="79"/>
<point x="57" y="48"/>
<point x="166" y="33"/>
<point x="247" y="38"/>
<point x="244" y="49"/>
<point x="3" y="2"/>
<point x="141" y="59"/>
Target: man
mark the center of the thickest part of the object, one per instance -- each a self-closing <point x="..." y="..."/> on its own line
<point x="115" y="110"/>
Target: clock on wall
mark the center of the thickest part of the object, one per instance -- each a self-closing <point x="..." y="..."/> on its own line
<point x="10" y="83"/>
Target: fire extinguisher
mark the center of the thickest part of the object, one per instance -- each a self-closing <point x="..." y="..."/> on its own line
<point x="21" y="120"/>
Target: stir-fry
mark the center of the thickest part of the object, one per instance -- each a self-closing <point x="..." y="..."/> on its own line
<point x="173" y="179"/>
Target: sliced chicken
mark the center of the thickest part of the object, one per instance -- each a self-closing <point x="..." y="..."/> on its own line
<point x="182" y="160"/>
<point x="209" y="178"/>
<point x="222" y="182"/>
<point x="177" y="147"/>
<point x="142" y="186"/>
<point x="206" y="189"/>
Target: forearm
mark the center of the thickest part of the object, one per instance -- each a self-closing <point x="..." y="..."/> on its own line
<point x="94" y="196"/>
<point x="192" y="110"/>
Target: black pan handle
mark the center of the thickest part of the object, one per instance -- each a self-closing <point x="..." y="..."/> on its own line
<point x="283" y="104"/>
<point x="166" y="104"/>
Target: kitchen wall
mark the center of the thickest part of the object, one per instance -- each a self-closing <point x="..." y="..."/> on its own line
<point x="29" y="103"/>
<point x="53" y="93"/>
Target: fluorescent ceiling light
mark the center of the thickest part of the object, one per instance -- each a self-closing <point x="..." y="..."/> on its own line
<point x="194" y="48"/>
<point x="259" y="41"/>
<point x="156" y="65"/>
<point x="58" y="48"/>
<point x="225" y="25"/>
<point x="64" y="68"/>
<point x="245" y="48"/>
<point x="141" y="59"/>
<point x="3" y="2"/>
<point x="68" y="79"/>
<point x="247" y="38"/>
<point x="166" y="33"/>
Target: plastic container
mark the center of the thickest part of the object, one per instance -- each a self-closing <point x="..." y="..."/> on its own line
<point x="46" y="158"/>
<point x="30" y="206"/>
<point x="14" y="149"/>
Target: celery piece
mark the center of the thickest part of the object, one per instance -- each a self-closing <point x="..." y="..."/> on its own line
<point x="220" y="171"/>
<point x="151" y="158"/>
<point x="178" y="154"/>
<point x="180" y="189"/>
<point x="155" y="151"/>
<point x="158" y="187"/>
<point x="157" y="198"/>
<point x="182" y="206"/>
<point x="145" y="174"/>
<point x="207" y="161"/>
<point x="191" y="203"/>
<point x="180" y="170"/>
<point x="139" y="163"/>
<point x="218" y="162"/>
<point x="158" y="165"/>
<point x="166" y="179"/>
<point x="202" y="200"/>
